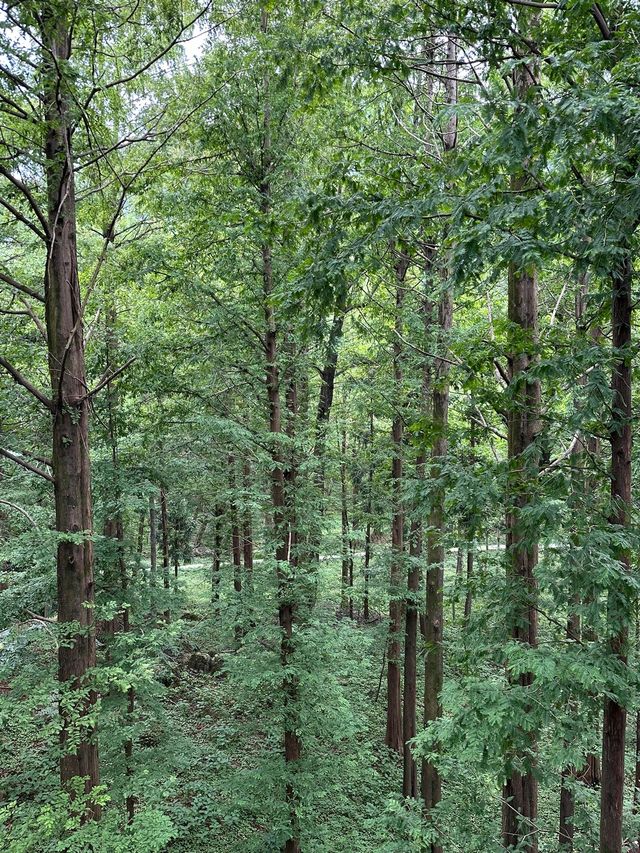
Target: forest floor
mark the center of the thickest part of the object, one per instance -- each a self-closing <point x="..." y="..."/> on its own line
<point x="207" y="757"/>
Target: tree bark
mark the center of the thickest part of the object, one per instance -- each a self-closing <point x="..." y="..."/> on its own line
<point x="164" y="525"/>
<point x="520" y="796"/>
<point x="434" y="612"/>
<point x="70" y="417"/>
<point x="346" y="591"/>
<point x="618" y="601"/>
<point x="285" y="570"/>
<point x="247" y="529"/>
<point x="153" y="541"/>
<point x="393" y="736"/>
<point x="217" y="557"/>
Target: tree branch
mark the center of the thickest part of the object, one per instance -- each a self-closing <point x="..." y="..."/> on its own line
<point x="24" y="464"/>
<point x="26" y="192"/>
<point x="21" y="287"/>
<point x="107" y="379"/>
<point x="22" y="380"/>
<point x="21" y="218"/>
<point x="20" y="509"/>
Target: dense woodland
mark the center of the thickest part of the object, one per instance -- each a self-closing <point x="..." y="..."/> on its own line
<point x="317" y="396"/>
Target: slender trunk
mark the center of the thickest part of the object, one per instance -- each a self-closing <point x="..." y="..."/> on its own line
<point x="70" y="419"/>
<point x="367" y="535"/>
<point x="164" y="525"/>
<point x="409" y="711"/>
<point x="153" y="541"/>
<point x="393" y="736"/>
<point x="285" y="571"/>
<point x="236" y="549"/>
<point x="409" y="726"/>
<point x="468" y="601"/>
<point x="434" y="612"/>
<point x="618" y="603"/>
<point x="139" y="549"/>
<point x="217" y="555"/>
<point x="574" y="627"/>
<point x="247" y="529"/>
<point x="345" y="598"/>
<point x="520" y="796"/>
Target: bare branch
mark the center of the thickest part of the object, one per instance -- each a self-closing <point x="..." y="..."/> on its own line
<point x="26" y="192"/>
<point x="129" y="77"/>
<point x="22" y="380"/>
<point x="21" y="287"/>
<point x="107" y="379"/>
<point x="27" y="465"/>
<point x="20" y="509"/>
<point x="22" y="218"/>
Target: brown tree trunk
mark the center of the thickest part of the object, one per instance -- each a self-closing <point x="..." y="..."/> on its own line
<point x="217" y="557"/>
<point x="409" y="726"/>
<point x="434" y="612"/>
<point x="618" y="603"/>
<point x="520" y="796"/>
<point x="367" y="534"/>
<point x="164" y="526"/>
<point x="346" y="599"/>
<point x="409" y="710"/>
<point x="393" y="736"/>
<point x="70" y="417"/>
<point x="574" y="627"/>
<point x="236" y="549"/>
<point x="153" y="541"/>
<point x="247" y="529"/>
<point x="285" y="570"/>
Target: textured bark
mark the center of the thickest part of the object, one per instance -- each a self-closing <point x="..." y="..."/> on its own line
<point x="367" y="535"/>
<point x="574" y="626"/>
<point x="520" y="796"/>
<point x="618" y="604"/>
<point x="217" y="557"/>
<point x="409" y="726"/>
<point x="280" y="522"/>
<point x="153" y="541"/>
<point x="236" y="549"/>
<point x="409" y="708"/>
<point x="346" y="597"/>
<point x="434" y="612"/>
<point x="70" y="415"/>
<point x="164" y="527"/>
<point x="393" y="735"/>
<point x="247" y="529"/>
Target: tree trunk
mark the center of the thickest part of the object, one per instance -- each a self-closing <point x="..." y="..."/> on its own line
<point x="217" y="552"/>
<point x="153" y="541"/>
<point x="70" y="418"/>
<point x="247" y="529"/>
<point x="409" y="726"/>
<point x="236" y="549"/>
<point x="164" y="525"/>
<point x="393" y="736"/>
<point x="280" y="522"/>
<point x="520" y="796"/>
<point x="346" y="599"/>
<point x="618" y="602"/>
<point x="367" y="535"/>
<point x="434" y="613"/>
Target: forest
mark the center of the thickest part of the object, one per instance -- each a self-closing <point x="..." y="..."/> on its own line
<point x="317" y="400"/>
